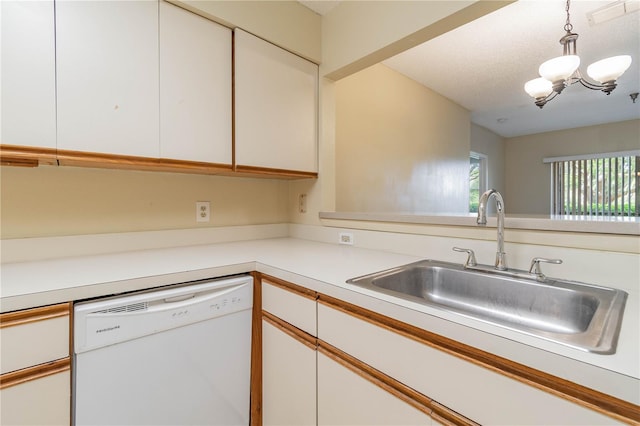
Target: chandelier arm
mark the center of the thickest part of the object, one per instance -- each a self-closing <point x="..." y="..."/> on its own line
<point x="551" y="96"/>
<point x="590" y="85"/>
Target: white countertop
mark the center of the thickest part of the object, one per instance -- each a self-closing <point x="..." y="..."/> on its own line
<point x="324" y="268"/>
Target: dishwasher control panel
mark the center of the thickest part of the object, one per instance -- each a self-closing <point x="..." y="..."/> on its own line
<point x="104" y="322"/>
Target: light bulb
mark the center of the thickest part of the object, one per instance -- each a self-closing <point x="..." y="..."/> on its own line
<point x="609" y="69"/>
<point x="560" y="68"/>
<point x="538" y="87"/>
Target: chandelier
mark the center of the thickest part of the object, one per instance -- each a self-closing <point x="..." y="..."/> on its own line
<point x="563" y="71"/>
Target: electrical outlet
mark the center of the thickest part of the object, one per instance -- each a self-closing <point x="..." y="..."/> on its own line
<point x="346" y="238"/>
<point x="302" y="203"/>
<point x="203" y="211"/>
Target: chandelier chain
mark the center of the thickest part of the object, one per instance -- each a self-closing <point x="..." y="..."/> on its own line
<point x="567" y="26"/>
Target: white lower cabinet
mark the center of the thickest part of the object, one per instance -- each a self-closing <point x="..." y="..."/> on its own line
<point x="35" y="384"/>
<point x="473" y="391"/>
<point x="288" y="355"/>
<point x="367" y="369"/>
<point x="347" y="398"/>
<point x="42" y="401"/>
<point x="289" y="379"/>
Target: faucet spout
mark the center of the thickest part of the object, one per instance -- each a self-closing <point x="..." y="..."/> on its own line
<point x="501" y="260"/>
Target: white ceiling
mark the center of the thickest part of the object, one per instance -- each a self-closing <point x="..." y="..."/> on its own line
<point x="321" y="7"/>
<point x="483" y="65"/>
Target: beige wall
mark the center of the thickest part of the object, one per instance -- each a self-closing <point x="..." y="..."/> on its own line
<point x="484" y="141"/>
<point x="528" y="179"/>
<point x="54" y="201"/>
<point x="400" y="147"/>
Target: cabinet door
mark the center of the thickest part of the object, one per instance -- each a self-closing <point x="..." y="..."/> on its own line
<point x="28" y="74"/>
<point x="43" y="401"/>
<point x="195" y="87"/>
<point x="276" y="98"/>
<point x="288" y="379"/>
<point x="107" y="71"/>
<point x="346" y="398"/>
<point x="469" y="389"/>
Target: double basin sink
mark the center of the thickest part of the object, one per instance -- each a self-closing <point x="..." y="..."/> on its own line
<point x="579" y="315"/>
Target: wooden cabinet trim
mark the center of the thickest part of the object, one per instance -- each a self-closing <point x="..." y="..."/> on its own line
<point x="255" y="416"/>
<point x="387" y="383"/>
<point x="293" y="288"/>
<point x="10" y="319"/>
<point x="20" y="156"/>
<point x="294" y="332"/>
<point x="605" y="404"/>
<point x="33" y="373"/>
<point x="447" y="416"/>
<point x="24" y="156"/>
<point x="111" y="161"/>
<point x="253" y="171"/>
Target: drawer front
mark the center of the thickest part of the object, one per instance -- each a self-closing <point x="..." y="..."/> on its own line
<point x="33" y="337"/>
<point x="296" y="309"/>
<point x="44" y="401"/>
<point x="471" y="390"/>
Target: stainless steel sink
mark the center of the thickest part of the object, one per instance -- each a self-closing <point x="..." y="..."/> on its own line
<point x="579" y="315"/>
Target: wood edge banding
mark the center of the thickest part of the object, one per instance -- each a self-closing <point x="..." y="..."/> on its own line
<point x="22" y="156"/>
<point x="255" y="415"/>
<point x="293" y="288"/>
<point x="254" y="171"/>
<point x="448" y="416"/>
<point x="384" y="382"/>
<point x="589" y="398"/>
<point x="11" y="319"/>
<point x="24" y="375"/>
<point x="26" y="156"/>
<point x="129" y="162"/>
<point x="292" y="331"/>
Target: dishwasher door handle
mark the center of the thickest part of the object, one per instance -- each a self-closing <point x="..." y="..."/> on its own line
<point x="180" y="298"/>
<point x="191" y="299"/>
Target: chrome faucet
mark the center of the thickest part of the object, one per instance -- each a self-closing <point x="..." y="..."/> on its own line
<point x="501" y="260"/>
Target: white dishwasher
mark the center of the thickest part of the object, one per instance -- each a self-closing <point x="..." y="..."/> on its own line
<point x="180" y="355"/>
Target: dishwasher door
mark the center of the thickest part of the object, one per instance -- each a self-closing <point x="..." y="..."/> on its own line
<point x="177" y="356"/>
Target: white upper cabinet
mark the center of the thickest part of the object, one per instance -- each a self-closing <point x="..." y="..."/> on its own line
<point x="276" y="100"/>
<point x="195" y="87"/>
<point x="28" y="74"/>
<point x="107" y="71"/>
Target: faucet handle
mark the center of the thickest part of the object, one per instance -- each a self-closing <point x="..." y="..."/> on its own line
<point x="535" y="266"/>
<point x="471" y="259"/>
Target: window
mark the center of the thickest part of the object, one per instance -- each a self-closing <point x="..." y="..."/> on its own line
<point x="596" y="185"/>
<point x="477" y="179"/>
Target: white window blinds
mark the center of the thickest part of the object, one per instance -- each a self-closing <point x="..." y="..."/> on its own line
<point x="596" y="185"/>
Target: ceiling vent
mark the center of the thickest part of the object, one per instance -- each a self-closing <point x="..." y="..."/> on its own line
<point x="612" y="11"/>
